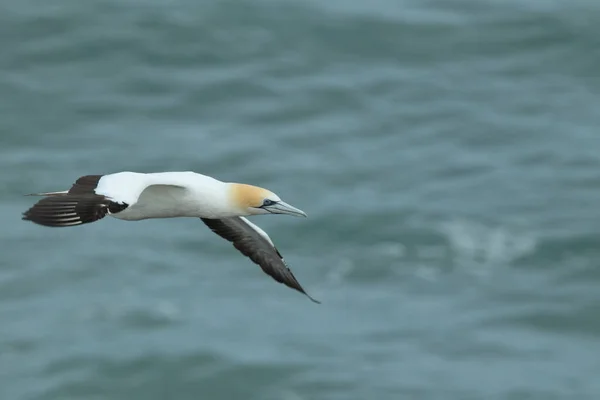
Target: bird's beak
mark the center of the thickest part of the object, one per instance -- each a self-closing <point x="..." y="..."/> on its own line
<point x="284" y="208"/>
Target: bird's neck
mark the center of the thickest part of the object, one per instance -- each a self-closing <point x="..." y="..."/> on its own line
<point x="215" y="199"/>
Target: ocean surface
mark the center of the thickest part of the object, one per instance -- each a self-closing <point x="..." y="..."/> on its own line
<point x="447" y="153"/>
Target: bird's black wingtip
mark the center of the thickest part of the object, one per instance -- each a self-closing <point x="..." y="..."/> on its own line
<point x="314" y="300"/>
<point x="310" y="297"/>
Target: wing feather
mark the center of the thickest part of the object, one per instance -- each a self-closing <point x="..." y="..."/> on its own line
<point x="257" y="246"/>
<point x="79" y="205"/>
<point x="68" y="210"/>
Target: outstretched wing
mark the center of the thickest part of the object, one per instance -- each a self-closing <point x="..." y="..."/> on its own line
<point x="71" y="210"/>
<point x="79" y="205"/>
<point x="92" y="197"/>
<point x="84" y="185"/>
<point x="255" y="244"/>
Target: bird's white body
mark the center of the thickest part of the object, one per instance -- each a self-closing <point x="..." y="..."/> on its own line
<point x="167" y="195"/>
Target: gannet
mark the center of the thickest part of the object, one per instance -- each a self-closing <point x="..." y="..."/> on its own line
<point x="133" y="196"/>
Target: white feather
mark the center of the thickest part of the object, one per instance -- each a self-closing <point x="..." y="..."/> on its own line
<point x="259" y="230"/>
<point x="166" y="195"/>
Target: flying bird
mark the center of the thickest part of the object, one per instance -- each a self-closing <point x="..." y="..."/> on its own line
<point x="133" y="196"/>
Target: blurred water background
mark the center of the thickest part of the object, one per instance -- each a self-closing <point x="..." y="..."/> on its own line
<point x="447" y="153"/>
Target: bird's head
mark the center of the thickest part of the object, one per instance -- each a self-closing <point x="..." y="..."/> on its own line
<point x="254" y="200"/>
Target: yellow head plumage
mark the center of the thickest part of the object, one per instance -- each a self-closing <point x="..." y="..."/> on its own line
<point x="248" y="196"/>
<point x="251" y="200"/>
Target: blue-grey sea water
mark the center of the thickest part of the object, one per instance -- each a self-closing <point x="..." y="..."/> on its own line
<point x="447" y="153"/>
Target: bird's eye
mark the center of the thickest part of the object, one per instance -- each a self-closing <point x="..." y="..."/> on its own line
<point x="268" y="202"/>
